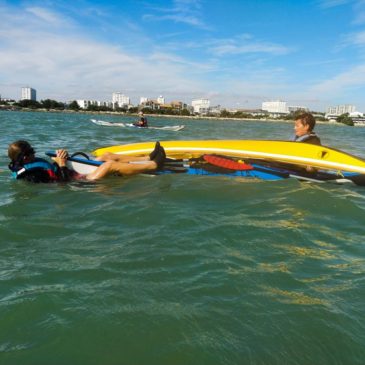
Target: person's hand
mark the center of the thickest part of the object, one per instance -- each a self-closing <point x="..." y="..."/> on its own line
<point x="311" y="169"/>
<point x="61" y="157"/>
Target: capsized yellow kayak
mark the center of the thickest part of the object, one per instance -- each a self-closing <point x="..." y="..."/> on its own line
<point x="282" y="151"/>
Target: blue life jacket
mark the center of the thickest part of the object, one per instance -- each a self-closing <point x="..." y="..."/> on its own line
<point x="39" y="164"/>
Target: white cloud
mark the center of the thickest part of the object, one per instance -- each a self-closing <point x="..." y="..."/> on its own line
<point x="351" y="79"/>
<point x="66" y="65"/>
<point x="228" y="49"/>
<point x="359" y="11"/>
<point x="96" y="69"/>
<point x="46" y="15"/>
<point x="358" y="38"/>
<point x="246" y="44"/>
<point x="333" y="3"/>
<point x="178" y="18"/>
<point x="357" y="5"/>
<point x="182" y="11"/>
<point x="352" y="39"/>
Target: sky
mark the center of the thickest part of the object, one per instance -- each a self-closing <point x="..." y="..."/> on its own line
<point x="237" y="53"/>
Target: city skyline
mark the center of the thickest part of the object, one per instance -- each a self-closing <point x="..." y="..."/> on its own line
<point x="308" y="53"/>
<point x="273" y="106"/>
<point x="124" y="100"/>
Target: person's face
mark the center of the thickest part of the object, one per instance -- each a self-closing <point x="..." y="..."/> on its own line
<point x="300" y="129"/>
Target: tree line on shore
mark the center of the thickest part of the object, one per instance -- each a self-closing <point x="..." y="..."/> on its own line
<point x="50" y="104"/>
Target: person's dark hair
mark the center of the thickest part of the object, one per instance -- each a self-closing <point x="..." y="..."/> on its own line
<point x="307" y="119"/>
<point x="20" y="149"/>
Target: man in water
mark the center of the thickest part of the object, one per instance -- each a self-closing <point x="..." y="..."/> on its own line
<point x="303" y="127"/>
<point x="24" y="165"/>
<point x="142" y="121"/>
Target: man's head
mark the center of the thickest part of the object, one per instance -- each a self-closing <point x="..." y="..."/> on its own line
<point x="20" y="151"/>
<point x="304" y="123"/>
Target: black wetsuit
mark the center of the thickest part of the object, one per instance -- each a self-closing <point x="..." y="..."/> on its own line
<point x="142" y="123"/>
<point x="311" y="138"/>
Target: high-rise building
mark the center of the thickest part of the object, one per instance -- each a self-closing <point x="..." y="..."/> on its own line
<point x="201" y="106"/>
<point x="120" y="99"/>
<point x="276" y="106"/>
<point x="29" y="94"/>
<point x="295" y="108"/>
<point x="84" y="104"/>
<point x="341" y="109"/>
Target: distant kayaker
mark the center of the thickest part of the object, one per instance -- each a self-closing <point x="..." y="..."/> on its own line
<point x="142" y="121"/>
<point x="303" y="126"/>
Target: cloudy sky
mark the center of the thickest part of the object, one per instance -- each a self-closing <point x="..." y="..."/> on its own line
<point x="237" y="53"/>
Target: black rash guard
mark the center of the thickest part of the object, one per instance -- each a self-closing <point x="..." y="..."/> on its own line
<point x="311" y="138"/>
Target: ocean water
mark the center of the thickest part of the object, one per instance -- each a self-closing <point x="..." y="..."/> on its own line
<point x="178" y="269"/>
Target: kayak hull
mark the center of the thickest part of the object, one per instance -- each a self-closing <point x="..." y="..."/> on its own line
<point x="301" y="154"/>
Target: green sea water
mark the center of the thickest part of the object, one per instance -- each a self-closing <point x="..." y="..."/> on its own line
<point x="178" y="269"/>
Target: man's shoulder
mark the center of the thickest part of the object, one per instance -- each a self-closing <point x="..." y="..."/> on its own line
<point x="313" y="139"/>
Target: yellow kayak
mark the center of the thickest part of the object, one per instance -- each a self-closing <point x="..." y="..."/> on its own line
<point x="281" y="151"/>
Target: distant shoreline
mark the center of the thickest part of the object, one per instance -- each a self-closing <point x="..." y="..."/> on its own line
<point x="192" y="117"/>
<point x="136" y="114"/>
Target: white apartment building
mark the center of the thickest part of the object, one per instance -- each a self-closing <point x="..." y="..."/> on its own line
<point x="120" y="99"/>
<point x="29" y="94"/>
<point x="275" y="106"/>
<point x="294" y="108"/>
<point x="84" y="104"/>
<point x="143" y="100"/>
<point x="105" y="103"/>
<point x="216" y="109"/>
<point x="341" y="109"/>
<point x="201" y="106"/>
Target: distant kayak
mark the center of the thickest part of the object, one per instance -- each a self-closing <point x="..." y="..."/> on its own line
<point x="174" y="128"/>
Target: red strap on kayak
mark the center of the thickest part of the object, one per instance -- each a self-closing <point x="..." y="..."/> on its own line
<point x="227" y="163"/>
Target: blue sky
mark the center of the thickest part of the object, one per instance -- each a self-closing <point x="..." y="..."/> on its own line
<point x="237" y="53"/>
